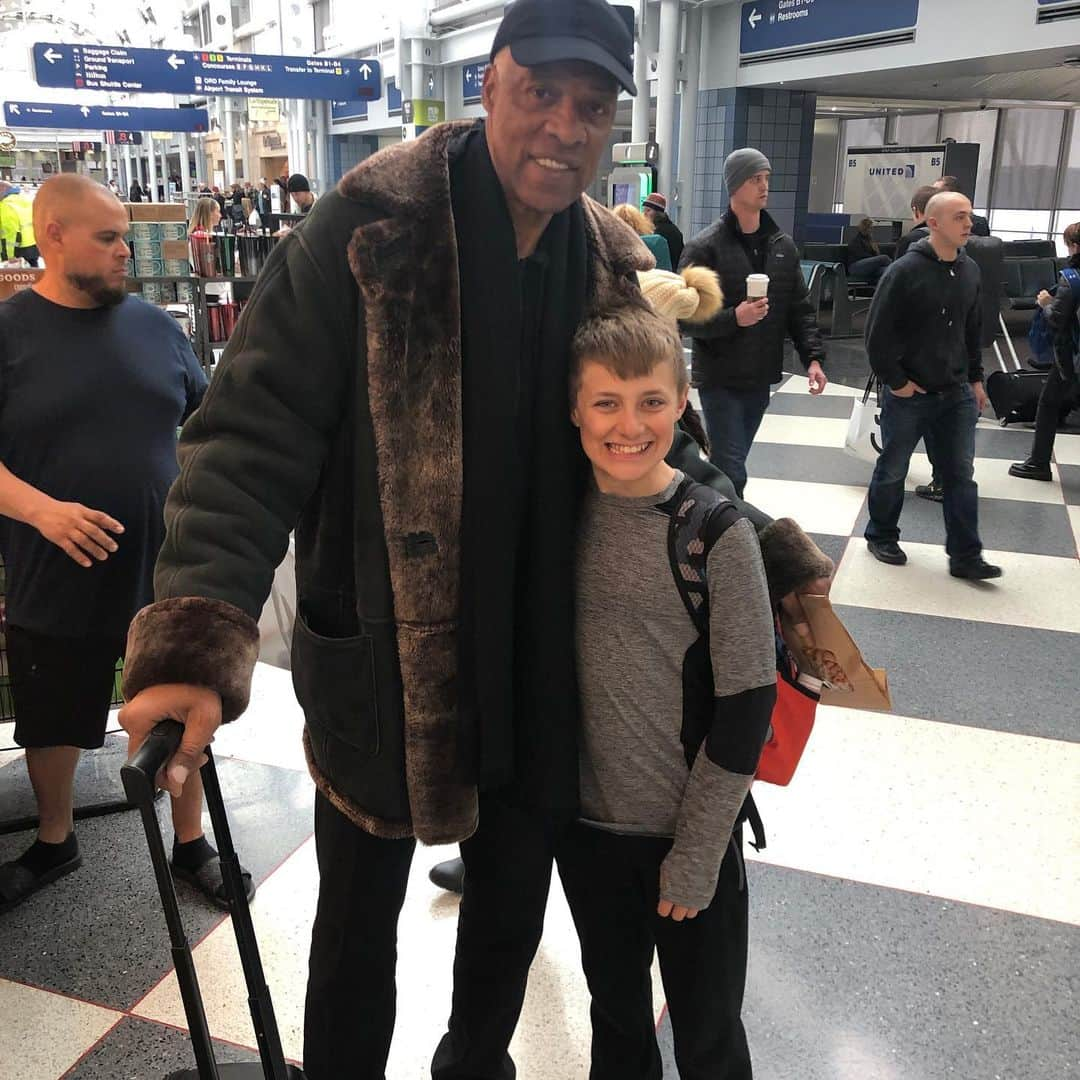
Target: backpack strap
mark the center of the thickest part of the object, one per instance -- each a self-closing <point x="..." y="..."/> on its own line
<point x="1073" y="278"/>
<point x="699" y="516"/>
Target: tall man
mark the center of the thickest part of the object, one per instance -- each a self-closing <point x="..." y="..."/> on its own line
<point x="397" y="390"/>
<point x="922" y="340"/>
<point x="740" y="353"/>
<point x="93" y="384"/>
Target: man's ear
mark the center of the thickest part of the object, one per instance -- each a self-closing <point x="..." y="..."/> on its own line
<point x="682" y="403"/>
<point x="487" y="90"/>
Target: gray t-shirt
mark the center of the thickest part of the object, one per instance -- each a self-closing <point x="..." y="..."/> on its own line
<point x="633" y="639"/>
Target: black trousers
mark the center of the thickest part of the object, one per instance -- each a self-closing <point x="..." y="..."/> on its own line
<point x="1056" y="391"/>
<point x="351" y="998"/>
<point x="612" y="884"/>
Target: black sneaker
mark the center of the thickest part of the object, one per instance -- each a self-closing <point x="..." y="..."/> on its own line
<point x="931" y="491"/>
<point x="887" y="551"/>
<point x="449" y="875"/>
<point x="1030" y="470"/>
<point x="977" y="569"/>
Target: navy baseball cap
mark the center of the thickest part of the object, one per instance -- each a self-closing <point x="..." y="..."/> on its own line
<point x="548" y="31"/>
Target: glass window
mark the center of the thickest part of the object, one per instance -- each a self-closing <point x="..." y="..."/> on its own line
<point x="917" y="129"/>
<point x="1070" y="191"/>
<point x="866" y="131"/>
<point x="320" y="11"/>
<point x="1031" y="142"/>
<point x="241" y="12"/>
<point x="975" y="127"/>
<point x="1062" y="219"/>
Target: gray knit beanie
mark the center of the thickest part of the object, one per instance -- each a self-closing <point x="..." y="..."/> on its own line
<point x="741" y="165"/>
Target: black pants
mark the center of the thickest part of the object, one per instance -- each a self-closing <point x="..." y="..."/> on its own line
<point x="507" y="876"/>
<point x="1055" y="393"/>
<point x="612" y="884"/>
<point x="351" y="998"/>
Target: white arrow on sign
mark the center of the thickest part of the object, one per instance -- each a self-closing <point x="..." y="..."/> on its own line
<point x="754" y="18"/>
<point x="51" y="56"/>
<point x="15" y="110"/>
<point x="174" y="61"/>
<point x="85" y="111"/>
<point x="468" y="74"/>
<point x="365" y="70"/>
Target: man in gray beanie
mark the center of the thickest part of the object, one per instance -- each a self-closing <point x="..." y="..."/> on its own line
<point x="741" y="352"/>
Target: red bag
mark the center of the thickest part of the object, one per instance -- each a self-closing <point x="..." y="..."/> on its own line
<point x="797" y="697"/>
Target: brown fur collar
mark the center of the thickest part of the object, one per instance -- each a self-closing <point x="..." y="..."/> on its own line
<point x="792" y="559"/>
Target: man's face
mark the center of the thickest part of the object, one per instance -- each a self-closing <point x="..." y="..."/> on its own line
<point x="90" y="247"/>
<point x="953" y="221"/>
<point x="753" y="194"/>
<point x="546" y="129"/>
<point x="649" y="212"/>
<point x="303" y="199"/>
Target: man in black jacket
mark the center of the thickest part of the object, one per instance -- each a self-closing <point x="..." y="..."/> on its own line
<point x="655" y="209"/>
<point x="922" y="340"/>
<point x="919" y="230"/>
<point x="741" y="352"/>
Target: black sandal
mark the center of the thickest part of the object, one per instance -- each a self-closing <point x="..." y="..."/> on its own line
<point x="208" y="879"/>
<point x="17" y="882"/>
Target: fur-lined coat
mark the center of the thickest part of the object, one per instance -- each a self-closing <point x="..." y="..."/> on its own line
<point x="337" y="409"/>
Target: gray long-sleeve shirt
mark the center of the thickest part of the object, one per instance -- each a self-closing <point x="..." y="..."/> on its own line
<point x="633" y="639"/>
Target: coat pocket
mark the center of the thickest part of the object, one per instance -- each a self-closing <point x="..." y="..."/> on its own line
<point x="334" y="679"/>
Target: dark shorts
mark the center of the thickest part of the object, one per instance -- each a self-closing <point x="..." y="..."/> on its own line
<point x="62" y="687"/>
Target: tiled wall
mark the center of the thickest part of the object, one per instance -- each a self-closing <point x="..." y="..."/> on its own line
<point x="779" y="123"/>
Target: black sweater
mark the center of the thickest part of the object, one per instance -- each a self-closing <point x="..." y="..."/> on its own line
<point x="925" y="321"/>
<point x="1061" y="318"/>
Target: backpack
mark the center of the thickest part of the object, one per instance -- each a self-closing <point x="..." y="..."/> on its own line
<point x="700" y="516"/>
<point x="1041" y="337"/>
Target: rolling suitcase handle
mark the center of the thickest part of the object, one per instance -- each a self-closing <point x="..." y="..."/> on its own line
<point x="138" y="777"/>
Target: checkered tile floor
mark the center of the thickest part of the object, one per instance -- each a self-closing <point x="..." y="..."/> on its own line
<point x="914" y="917"/>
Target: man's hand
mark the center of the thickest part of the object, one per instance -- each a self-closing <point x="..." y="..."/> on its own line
<point x="981" y="400"/>
<point x="1044" y="299"/>
<point x="818" y="379"/>
<point x="78" y="530"/>
<point x="909" y="389"/>
<point x="666" y="909"/>
<point x="196" y="707"/>
<point x="751" y="312"/>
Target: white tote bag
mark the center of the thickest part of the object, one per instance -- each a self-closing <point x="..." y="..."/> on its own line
<point x="863" y="438"/>
<point x="279" y="614"/>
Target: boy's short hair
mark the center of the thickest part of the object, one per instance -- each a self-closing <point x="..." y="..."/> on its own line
<point x="630" y="340"/>
<point x="922" y="197"/>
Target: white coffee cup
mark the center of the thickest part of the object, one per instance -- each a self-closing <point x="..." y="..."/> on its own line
<point x="757" y="286"/>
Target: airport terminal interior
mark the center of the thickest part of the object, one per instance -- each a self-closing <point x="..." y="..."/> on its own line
<point x="915" y="913"/>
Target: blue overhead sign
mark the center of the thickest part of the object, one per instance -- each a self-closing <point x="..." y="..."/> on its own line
<point x="393" y="99"/>
<point x="472" y="82"/>
<point x="45" y="114"/>
<point x="178" y="71"/>
<point x="348" y="110"/>
<point x="772" y="25"/>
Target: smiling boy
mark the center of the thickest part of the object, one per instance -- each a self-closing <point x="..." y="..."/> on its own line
<point x="672" y="728"/>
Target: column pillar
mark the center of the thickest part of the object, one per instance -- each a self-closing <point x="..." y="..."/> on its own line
<point x="665" y="92"/>
<point x="185" y="165"/>
<point x="639" y="122"/>
<point x="230" y="142"/>
<point x="151" y="161"/>
<point x="322" y="167"/>
<point x="684" y="190"/>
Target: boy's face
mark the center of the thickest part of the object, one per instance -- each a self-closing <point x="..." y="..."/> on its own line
<point x="627" y="426"/>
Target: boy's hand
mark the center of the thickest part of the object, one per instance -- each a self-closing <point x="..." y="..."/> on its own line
<point x="666" y="909"/>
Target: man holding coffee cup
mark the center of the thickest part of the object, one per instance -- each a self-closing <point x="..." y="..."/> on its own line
<point x="740" y="353"/>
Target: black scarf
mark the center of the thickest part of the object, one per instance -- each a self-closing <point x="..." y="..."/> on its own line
<point x="524" y="474"/>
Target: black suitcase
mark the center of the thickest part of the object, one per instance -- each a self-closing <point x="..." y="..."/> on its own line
<point x="138" y="779"/>
<point x="1015" y="395"/>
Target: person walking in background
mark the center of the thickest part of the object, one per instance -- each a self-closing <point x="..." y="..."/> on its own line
<point x="1061" y="308"/>
<point x="16" y="224"/>
<point x="135" y="192"/>
<point x="644" y="228"/>
<point x="919" y="229"/>
<point x="864" y="257"/>
<point x="923" y="342"/>
<point x="655" y="209"/>
<point x="740" y="353"/>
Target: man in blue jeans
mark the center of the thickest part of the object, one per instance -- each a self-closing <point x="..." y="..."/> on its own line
<point x="741" y="352"/>
<point x="922" y="339"/>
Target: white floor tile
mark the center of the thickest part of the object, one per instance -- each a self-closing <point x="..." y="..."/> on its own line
<point x="7" y="739"/>
<point x="992" y="476"/>
<point x="821" y="508"/>
<point x="1067" y="449"/>
<point x="802" y="430"/>
<point x="1036" y="590"/>
<point x="43" y="1034"/>
<point x="957" y="812"/>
